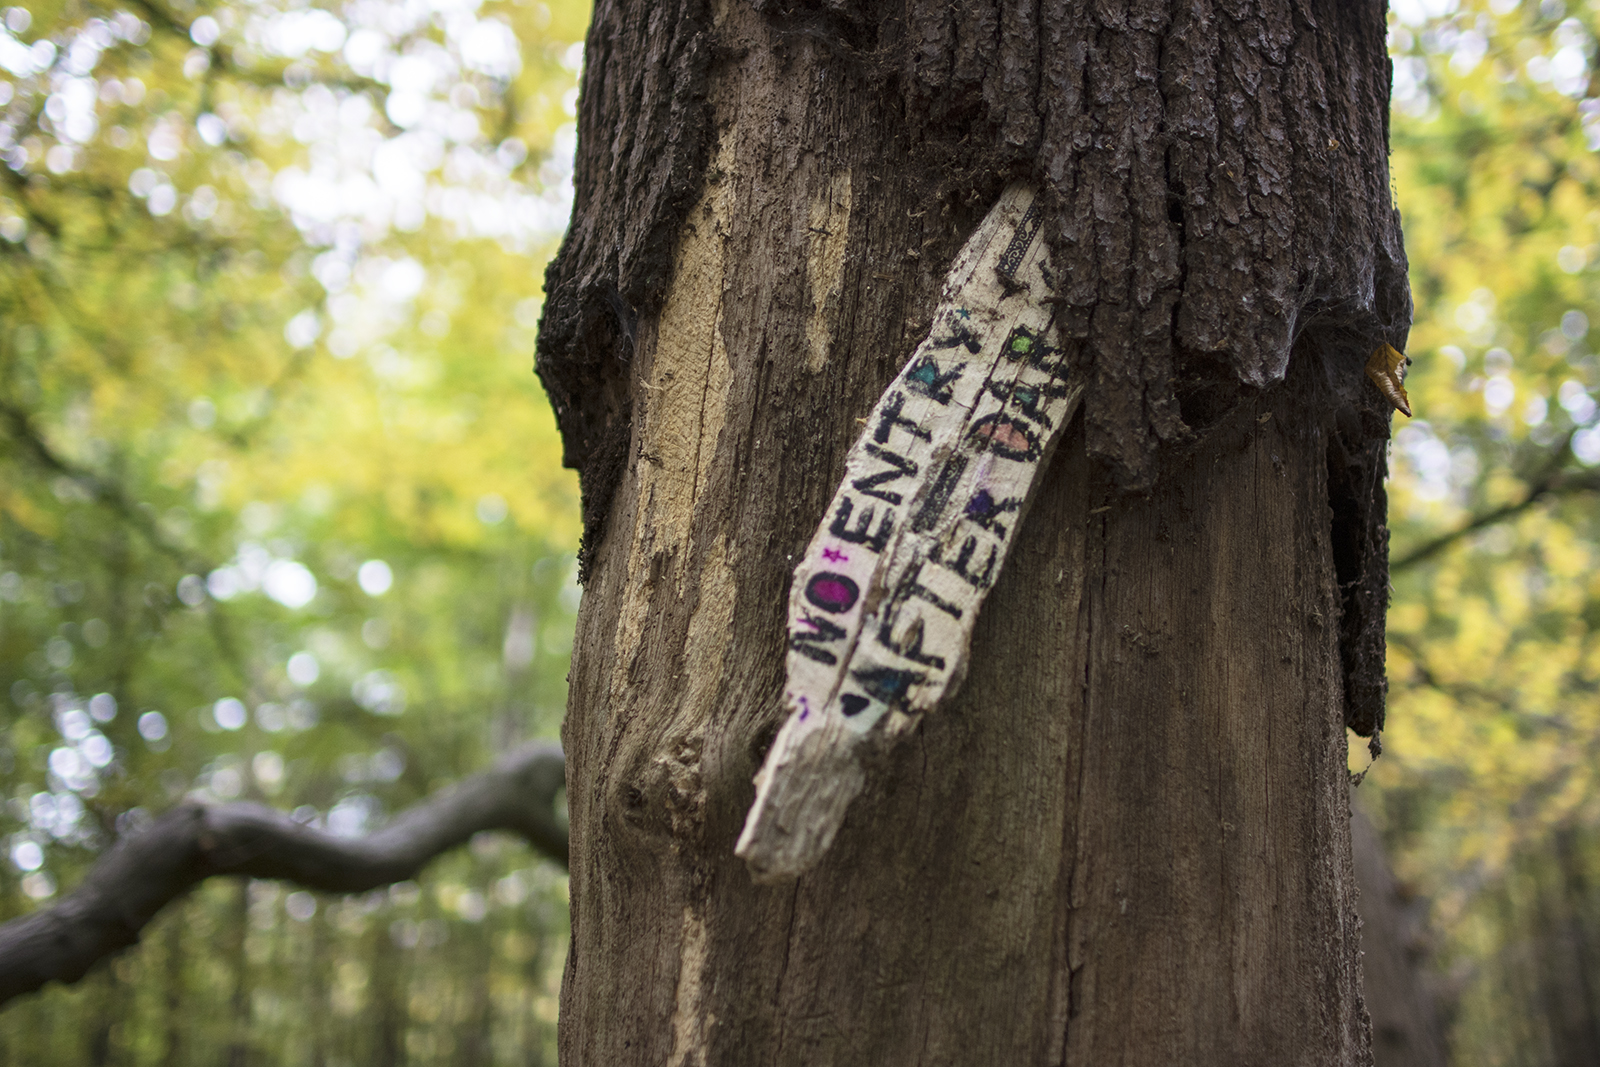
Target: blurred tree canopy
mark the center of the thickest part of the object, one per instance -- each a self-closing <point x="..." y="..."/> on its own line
<point x="281" y="513"/>
<point x="1490" y="773"/>
<point x="281" y="509"/>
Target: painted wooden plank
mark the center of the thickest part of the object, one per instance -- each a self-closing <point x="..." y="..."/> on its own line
<point x="883" y="604"/>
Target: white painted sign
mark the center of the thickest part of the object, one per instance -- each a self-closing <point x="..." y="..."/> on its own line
<point x="883" y="605"/>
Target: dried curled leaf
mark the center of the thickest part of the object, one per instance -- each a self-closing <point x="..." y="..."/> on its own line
<point x="1384" y="368"/>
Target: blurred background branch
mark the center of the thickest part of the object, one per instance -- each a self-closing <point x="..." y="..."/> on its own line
<point x="1557" y="478"/>
<point x="147" y="870"/>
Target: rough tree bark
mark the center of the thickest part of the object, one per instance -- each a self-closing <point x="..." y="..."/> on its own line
<point x="1127" y="839"/>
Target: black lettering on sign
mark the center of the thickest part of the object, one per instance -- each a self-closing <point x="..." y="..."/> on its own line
<point x="909" y="646"/>
<point x="891" y="418"/>
<point x="985" y="510"/>
<point x="922" y="592"/>
<point x="927" y="378"/>
<point x="960" y="335"/>
<point x="909" y="587"/>
<point x="888" y="684"/>
<point x="899" y="467"/>
<point x="933" y="504"/>
<point x="1023" y="345"/>
<point x="1005" y="436"/>
<point x="808" y="643"/>
<point x="1023" y="397"/>
<point x="962" y="564"/>
<point x="862" y="534"/>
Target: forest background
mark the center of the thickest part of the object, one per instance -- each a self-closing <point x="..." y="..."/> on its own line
<point x="282" y="517"/>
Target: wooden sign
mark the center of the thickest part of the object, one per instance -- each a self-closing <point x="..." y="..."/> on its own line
<point x="882" y="607"/>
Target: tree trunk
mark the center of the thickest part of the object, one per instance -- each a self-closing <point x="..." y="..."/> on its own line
<point x="1126" y="839"/>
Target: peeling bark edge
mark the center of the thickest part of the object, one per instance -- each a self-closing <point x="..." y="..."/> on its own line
<point x="142" y="873"/>
<point x="642" y="155"/>
<point x="1360" y="541"/>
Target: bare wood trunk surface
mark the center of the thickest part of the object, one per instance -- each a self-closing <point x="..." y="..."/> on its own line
<point x="1127" y="839"/>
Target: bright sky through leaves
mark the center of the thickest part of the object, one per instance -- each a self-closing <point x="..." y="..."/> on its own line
<point x="277" y="477"/>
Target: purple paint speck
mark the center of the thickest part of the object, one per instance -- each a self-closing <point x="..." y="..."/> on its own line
<point x="805" y="709"/>
<point x="980" y="506"/>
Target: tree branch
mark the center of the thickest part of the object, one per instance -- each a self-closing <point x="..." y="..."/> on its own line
<point x="1554" y="481"/>
<point x="142" y="873"/>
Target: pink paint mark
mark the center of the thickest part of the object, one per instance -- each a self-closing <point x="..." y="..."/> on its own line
<point x="833" y="555"/>
<point x="1005" y="434"/>
<point x="832" y="592"/>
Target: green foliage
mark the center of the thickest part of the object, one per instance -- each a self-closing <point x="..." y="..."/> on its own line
<point x="281" y="510"/>
<point x="1495" y="621"/>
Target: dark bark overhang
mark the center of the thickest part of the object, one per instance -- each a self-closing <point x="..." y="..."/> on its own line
<point x="1220" y="205"/>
